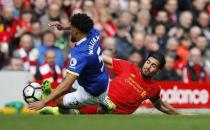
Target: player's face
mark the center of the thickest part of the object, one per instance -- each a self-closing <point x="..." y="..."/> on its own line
<point x="73" y="33"/>
<point x="150" y="67"/>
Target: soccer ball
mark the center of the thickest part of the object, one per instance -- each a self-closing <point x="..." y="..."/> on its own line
<point x="32" y="92"/>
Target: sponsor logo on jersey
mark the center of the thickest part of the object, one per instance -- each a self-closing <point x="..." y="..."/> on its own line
<point x="136" y="86"/>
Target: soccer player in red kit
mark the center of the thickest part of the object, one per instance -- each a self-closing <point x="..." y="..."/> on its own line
<point x="133" y="85"/>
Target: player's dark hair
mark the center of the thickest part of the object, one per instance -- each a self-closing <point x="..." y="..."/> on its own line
<point x="82" y="22"/>
<point x="160" y="57"/>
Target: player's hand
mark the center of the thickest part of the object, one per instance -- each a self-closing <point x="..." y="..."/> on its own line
<point x="56" y="24"/>
<point x="36" y="105"/>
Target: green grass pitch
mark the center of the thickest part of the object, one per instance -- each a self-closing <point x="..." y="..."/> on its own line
<point x="104" y="122"/>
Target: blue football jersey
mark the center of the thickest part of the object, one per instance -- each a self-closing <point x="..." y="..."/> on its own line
<point x="86" y="62"/>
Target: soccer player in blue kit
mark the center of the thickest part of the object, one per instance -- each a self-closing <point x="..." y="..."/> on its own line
<point x="86" y="71"/>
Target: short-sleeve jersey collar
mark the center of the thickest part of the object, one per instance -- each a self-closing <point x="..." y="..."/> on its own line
<point x="80" y="41"/>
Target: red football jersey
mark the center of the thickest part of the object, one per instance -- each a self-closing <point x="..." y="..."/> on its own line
<point x="128" y="89"/>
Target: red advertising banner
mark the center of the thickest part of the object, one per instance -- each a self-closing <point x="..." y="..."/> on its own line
<point x="182" y="95"/>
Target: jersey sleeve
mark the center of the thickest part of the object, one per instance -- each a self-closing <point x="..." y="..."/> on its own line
<point x="120" y="65"/>
<point x="156" y="94"/>
<point x="77" y="64"/>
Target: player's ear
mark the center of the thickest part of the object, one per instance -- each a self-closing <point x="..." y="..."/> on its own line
<point x="76" y="32"/>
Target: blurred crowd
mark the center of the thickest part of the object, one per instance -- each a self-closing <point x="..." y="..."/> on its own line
<point x="130" y="30"/>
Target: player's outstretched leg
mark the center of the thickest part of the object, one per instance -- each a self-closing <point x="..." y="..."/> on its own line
<point x="46" y="90"/>
<point x="61" y="109"/>
<point x="64" y="109"/>
<point x="106" y="106"/>
<point x="68" y="111"/>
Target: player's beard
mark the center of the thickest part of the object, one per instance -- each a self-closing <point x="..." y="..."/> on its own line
<point x="145" y="76"/>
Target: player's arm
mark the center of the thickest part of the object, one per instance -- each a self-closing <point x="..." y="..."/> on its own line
<point x="164" y="107"/>
<point x="58" y="25"/>
<point x="117" y="65"/>
<point x="108" y="61"/>
<point x="62" y="88"/>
